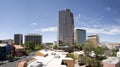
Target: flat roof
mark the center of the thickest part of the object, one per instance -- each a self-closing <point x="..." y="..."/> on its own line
<point x="33" y="35"/>
<point x="79" y="52"/>
<point x="18" y="34"/>
<point x="43" y="52"/>
<point x="93" y="35"/>
<point x="112" y="60"/>
<point x="53" y="59"/>
<point x="3" y="44"/>
<point x="80" y="30"/>
<point x="68" y="58"/>
<point x="18" y="47"/>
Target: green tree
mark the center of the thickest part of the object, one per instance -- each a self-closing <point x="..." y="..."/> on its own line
<point x="62" y="44"/>
<point x="71" y="55"/>
<point x="55" y="46"/>
<point x="99" y="51"/>
<point x="10" y="57"/>
<point x="78" y="47"/>
<point x="90" y="62"/>
<point x="29" y="45"/>
<point x="37" y="47"/>
<point x="113" y="53"/>
<point x="88" y="47"/>
<point x="50" y="46"/>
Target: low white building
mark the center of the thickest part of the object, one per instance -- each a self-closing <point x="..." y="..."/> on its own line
<point x="118" y="53"/>
<point x="79" y="52"/>
<point x="53" y="59"/>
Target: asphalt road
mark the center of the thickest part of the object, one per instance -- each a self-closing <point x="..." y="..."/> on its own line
<point x="9" y="64"/>
<point x="13" y="64"/>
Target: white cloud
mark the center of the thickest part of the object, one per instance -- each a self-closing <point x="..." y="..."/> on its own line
<point x="82" y="19"/>
<point x="3" y="34"/>
<point x="111" y="30"/>
<point x="112" y="10"/>
<point x="78" y="16"/>
<point x="48" y="29"/>
<point x="34" y="24"/>
<point x="104" y="29"/>
<point x="107" y="8"/>
<point x="117" y="20"/>
<point x="95" y="25"/>
<point x="115" y="12"/>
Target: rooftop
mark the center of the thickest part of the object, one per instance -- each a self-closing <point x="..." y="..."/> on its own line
<point x="18" y="47"/>
<point x="53" y="59"/>
<point x="80" y="30"/>
<point x="93" y="35"/>
<point x="18" y="34"/>
<point x="112" y="60"/>
<point x="43" y="52"/>
<point x="3" y="44"/>
<point x="33" y="35"/>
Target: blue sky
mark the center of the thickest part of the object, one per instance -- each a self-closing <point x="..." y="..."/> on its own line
<point x="100" y="17"/>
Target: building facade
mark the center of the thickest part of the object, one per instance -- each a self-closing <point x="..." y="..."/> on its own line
<point x="111" y="62"/>
<point x="118" y="53"/>
<point x="80" y="36"/>
<point x="94" y="39"/>
<point x="35" y="38"/>
<point x="18" y="39"/>
<point x="65" y="27"/>
<point x="5" y="49"/>
<point x="19" y="50"/>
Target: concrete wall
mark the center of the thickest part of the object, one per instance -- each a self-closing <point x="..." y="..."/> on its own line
<point x="70" y="63"/>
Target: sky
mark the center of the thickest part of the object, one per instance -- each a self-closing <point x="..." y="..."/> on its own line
<point x="100" y="17"/>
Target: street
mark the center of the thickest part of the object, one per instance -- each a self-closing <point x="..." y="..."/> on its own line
<point x="13" y="64"/>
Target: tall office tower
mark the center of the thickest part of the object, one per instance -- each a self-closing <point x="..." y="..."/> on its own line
<point x="65" y="27"/>
<point x="18" y="39"/>
<point x="94" y="39"/>
<point x="35" y="38"/>
<point x="80" y="36"/>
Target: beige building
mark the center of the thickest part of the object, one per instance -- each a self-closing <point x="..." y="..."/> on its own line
<point x="21" y="64"/>
<point x="19" y="50"/>
<point x="94" y="39"/>
<point x="65" y="27"/>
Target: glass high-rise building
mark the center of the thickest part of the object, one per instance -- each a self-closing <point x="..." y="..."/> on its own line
<point x="65" y="27"/>
<point x="80" y="36"/>
<point x="18" y="39"/>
